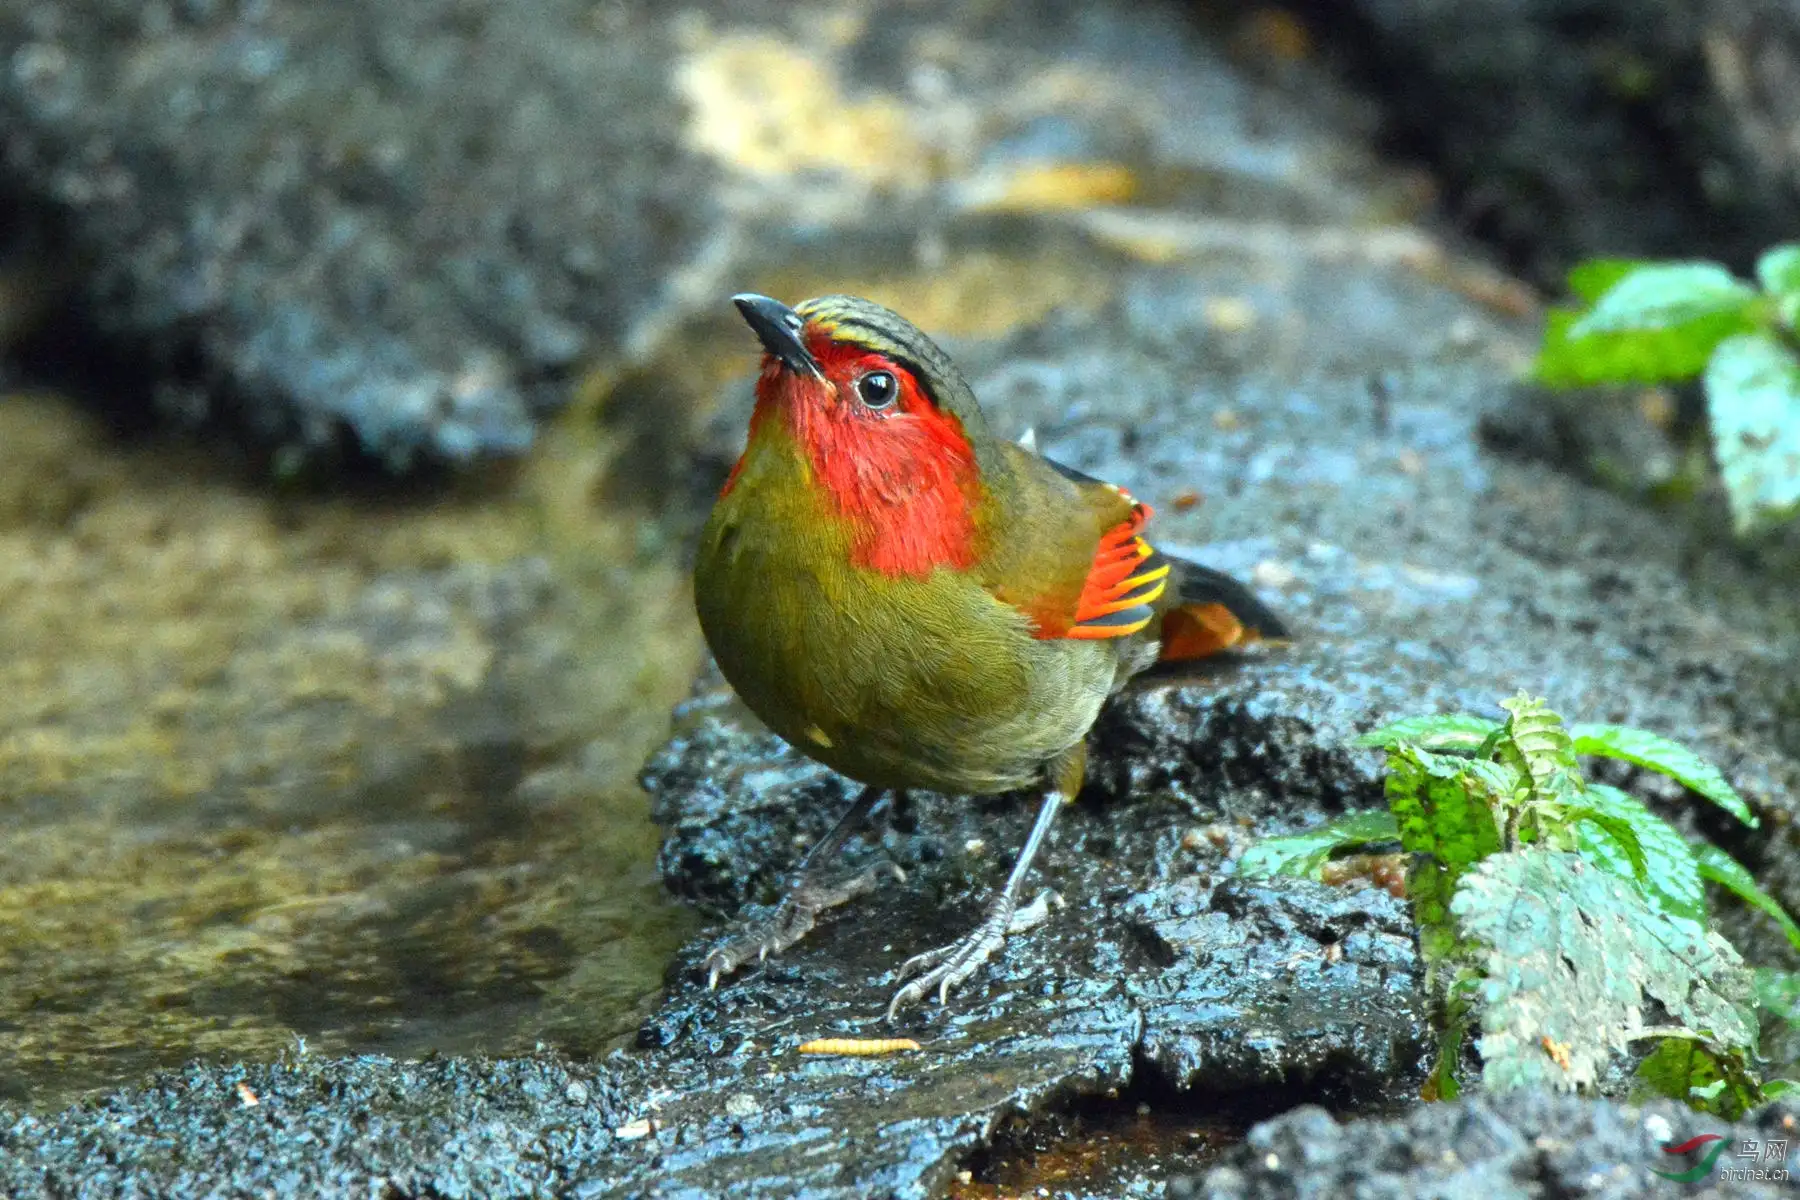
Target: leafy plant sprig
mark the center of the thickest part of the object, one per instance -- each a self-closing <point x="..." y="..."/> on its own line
<point x="1555" y="912"/>
<point x="1650" y="322"/>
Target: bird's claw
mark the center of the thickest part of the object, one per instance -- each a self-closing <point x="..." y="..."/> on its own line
<point x="792" y="920"/>
<point x="947" y="966"/>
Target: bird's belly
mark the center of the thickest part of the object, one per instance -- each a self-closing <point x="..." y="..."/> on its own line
<point x="920" y="683"/>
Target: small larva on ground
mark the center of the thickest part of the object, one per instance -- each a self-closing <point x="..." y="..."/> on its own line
<point x="865" y="1047"/>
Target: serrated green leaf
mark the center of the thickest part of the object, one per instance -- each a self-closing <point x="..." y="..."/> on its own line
<point x="1778" y="991"/>
<point x="1778" y="270"/>
<point x="1451" y="731"/>
<point x="1445" y="830"/>
<point x="1665" y="756"/>
<point x="1462" y="827"/>
<point x="1671" y="876"/>
<point x="1592" y="279"/>
<point x="1571" y="954"/>
<point x="1495" y="782"/>
<point x="1753" y="405"/>
<point x="1735" y="878"/>
<point x="1540" y="747"/>
<point x="1610" y="841"/>
<point x="1775" y="1089"/>
<point x="1665" y="296"/>
<point x="1304" y="854"/>
<point x="1656" y="322"/>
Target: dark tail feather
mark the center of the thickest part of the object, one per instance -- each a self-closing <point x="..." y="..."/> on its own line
<point x="1213" y="612"/>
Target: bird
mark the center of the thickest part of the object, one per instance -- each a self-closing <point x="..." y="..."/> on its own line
<point x="917" y="603"/>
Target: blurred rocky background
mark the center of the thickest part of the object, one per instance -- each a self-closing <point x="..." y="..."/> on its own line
<point x="366" y="365"/>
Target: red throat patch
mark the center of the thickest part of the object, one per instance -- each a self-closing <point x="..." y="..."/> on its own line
<point x="903" y="478"/>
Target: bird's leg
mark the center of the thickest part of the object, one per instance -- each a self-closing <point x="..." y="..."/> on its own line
<point x="948" y="966"/>
<point x="807" y="895"/>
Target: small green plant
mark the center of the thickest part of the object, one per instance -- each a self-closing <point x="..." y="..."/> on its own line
<point x="1649" y="322"/>
<point x="1562" y="916"/>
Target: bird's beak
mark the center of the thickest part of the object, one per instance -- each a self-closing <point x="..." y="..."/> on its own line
<point x="778" y="328"/>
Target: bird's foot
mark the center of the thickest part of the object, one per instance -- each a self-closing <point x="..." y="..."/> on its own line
<point x="792" y="920"/>
<point x="950" y="966"/>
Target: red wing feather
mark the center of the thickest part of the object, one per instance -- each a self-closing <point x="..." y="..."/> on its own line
<point x="1126" y="578"/>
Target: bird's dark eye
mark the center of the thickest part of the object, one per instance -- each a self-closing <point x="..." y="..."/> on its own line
<point x="877" y="389"/>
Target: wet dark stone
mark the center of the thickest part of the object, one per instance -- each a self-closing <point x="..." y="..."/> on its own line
<point x="410" y="220"/>
<point x="1569" y="128"/>
<point x="1223" y="989"/>
<point x="1522" y="1144"/>
<point x="406" y="226"/>
<point x="311" y="1126"/>
<point x="1145" y="965"/>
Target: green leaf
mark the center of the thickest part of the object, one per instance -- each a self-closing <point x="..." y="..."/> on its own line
<point x="1542" y="745"/>
<point x="1452" y="731"/>
<point x="1753" y="404"/>
<point x="1611" y="842"/>
<point x="1671" y="879"/>
<point x="1453" y="1017"/>
<point x="1778" y="992"/>
<point x="1594" y="278"/>
<point x="1659" y="321"/>
<point x="1775" y="1089"/>
<point x="1665" y="756"/>
<point x="1567" y="361"/>
<point x="1665" y="296"/>
<point x="1303" y="854"/>
<point x="1445" y="830"/>
<point x="1438" y="817"/>
<point x="1778" y="270"/>
<point x="1731" y="875"/>
<point x="1495" y="783"/>
<point x="1572" y="956"/>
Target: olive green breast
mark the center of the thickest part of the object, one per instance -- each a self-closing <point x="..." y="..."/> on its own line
<point x="897" y="682"/>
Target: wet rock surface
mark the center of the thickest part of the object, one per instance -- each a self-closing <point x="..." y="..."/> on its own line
<point x="1220" y="988"/>
<point x="1565" y="129"/>
<point x="420" y="222"/>
<point x="345" y="215"/>
<point x="1150" y="965"/>
<point x="317" y="1126"/>
<point x="1515" y="1145"/>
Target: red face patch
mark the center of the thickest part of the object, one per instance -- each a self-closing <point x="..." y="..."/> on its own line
<point x="894" y="466"/>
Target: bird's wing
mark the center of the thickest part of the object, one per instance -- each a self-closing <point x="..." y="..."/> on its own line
<point x="1125" y="579"/>
<point x="1071" y="554"/>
